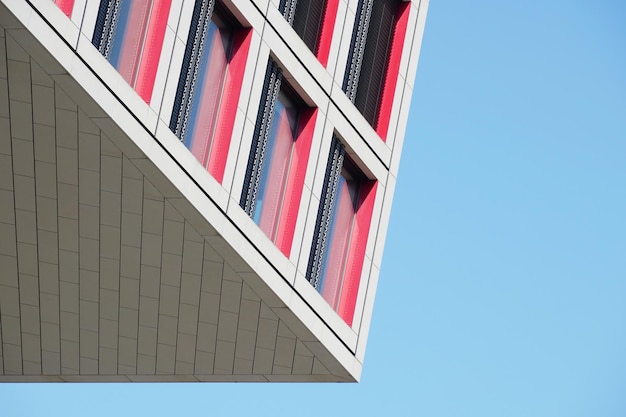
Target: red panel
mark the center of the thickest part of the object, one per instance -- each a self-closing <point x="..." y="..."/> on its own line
<point x="326" y="34"/>
<point x="277" y="170"/>
<point x="356" y="257"/>
<point x="295" y="181"/>
<point x="339" y="242"/>
<point x="66" y="6"/>
<point x="391" y="77"/>
<point x="152" y="49"/>
<point x="132" y="35"/>
<point x="228" y="108"/>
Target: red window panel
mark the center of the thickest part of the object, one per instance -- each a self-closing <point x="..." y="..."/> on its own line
<point x="209" y="86"/>
<point x="345" y="253"/>
<point x="374" y="61"/>
<point x="152" y="47"/>
<point x="284" y="168"/>
<point x="135" y="41"/>
<point x="326" y="32"/>
<point x="295" y="181"/>
<point x="314" y="22"/>
<point x="66" y="6"/>
<point x="341" y="232"/>
<point x="273" y="189"/>
<point x="393" y="68"/>
<point x="356" y="256"/>
<point x="228" y="108"/>
<point x="344" y="214"/>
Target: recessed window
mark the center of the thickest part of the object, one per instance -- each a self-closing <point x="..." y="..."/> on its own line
<point x="276" y="166"/>
<point x="314" y="22"/>
<point x="129" y="33"/>
<point x="210" y="84"/>
<point x="374" y="59"/>
<point x="308" y="22"/>
<point x="278" y="159"/>
<point x="341" y="230"/>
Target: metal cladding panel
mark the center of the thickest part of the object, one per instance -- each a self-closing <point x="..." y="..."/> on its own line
<point x="125" y="258"/>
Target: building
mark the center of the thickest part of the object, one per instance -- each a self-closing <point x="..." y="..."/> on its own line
<point x="197" y="190"/>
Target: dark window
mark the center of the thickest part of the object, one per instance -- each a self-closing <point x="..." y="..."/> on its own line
<point x="376" y="58"/>
<point x="307" y="19"/>
<point x="369" y="55"/>
<point x="308" y="22"/>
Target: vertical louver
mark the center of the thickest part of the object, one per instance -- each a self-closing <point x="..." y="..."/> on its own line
<point x="369" y="55"/>
<point x="357" y="48"/>
<point x="106" y="23"/>
<point x="325" y="212"/>
<point x="196" y="43"/>
<point x="271" y="88"/>
<point x="288" y="9"/>
<point x="376" y="59"/>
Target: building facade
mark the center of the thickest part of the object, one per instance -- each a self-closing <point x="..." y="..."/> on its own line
<point x="197" y="190"/>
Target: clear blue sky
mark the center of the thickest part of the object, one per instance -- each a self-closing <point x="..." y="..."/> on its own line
<point x="503" y="289"/>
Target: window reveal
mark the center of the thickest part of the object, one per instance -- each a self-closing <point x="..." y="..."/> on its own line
<point x="278" y="160"/>
<point x="129" y="34"/>
<point x="210" y="84"/>
<point x="374" y="59"/>
<point x="314" y="22"/>
<point x="341" y="231"/>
